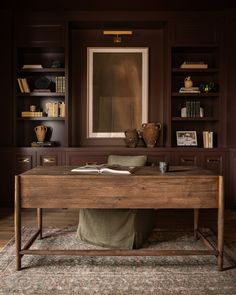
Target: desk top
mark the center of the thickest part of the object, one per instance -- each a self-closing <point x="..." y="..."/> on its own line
<point x="140" y="171"/>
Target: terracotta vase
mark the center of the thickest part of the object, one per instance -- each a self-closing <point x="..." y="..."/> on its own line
<point x="151" y="132"/>
<point x="188" y="82"/>
<point x="40" y="132"/>
<point x="131" y="137"/>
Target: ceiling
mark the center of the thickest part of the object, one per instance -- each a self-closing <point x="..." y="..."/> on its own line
<point x="130" y="5"/>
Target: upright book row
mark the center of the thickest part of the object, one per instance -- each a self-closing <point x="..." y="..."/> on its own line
<point x="207" y="139"/>
<point x="23" y="85"/>
<point x="60" y="84"/>
<point x="55" y="109"/>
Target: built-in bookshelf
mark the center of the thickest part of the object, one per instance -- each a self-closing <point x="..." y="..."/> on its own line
<point x="196" y="109"/>
<point x="40" y="94"/>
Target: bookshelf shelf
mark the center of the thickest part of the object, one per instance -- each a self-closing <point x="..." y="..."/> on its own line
<point x="199" y="95"/>
<point x="41" y="118"/>
<point x="201" y="71"/>
<point x="194" y="119"/>
<point x="48" y="94"/>
<point x="43" y="70"/>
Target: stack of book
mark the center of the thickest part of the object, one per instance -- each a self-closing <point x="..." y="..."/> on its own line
<point x="23" y="85"/>
<point x="207" y="139"/>
<point x="31" y="114"/>
<point x="194" y="65"/>
<point x="42" y="144"/>
<point x="189" y="90"/>
<point x="32" y="66"/>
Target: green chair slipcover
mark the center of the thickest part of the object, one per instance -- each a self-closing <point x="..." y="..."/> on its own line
<point x="117" y="228"/>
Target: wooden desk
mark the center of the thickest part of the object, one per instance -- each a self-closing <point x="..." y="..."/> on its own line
<point x="58" y="187"/>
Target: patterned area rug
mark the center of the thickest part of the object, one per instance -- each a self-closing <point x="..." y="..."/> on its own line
<point x="115" y="275"/>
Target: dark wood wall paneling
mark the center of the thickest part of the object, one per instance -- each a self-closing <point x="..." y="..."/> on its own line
<point x="6" y="93"/>
<point x="230" y="58"/>
<point x="83" y="38"/>
<point x="6" y="118"/>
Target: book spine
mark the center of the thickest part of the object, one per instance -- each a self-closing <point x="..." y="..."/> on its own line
<point x="188" y="108"/>
<point x="61" y="109"/>
<point x="210" y="134"/>
<point x="25" y="85"/>
<point x="20" y="85"/>
<point x="205" y="139"/>
<point x="197" y="109"/>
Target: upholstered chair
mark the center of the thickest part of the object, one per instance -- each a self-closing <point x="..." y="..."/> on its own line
<point x="117" y="228"/>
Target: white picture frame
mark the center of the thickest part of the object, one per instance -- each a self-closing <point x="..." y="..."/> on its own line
<point x="186" y="138"/>
<point x="112" y="109"/>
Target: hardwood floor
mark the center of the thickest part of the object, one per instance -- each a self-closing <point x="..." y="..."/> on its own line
<point x="165" y="219"/>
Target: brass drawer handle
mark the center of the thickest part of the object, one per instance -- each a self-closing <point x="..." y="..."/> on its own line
<point x="23" y="160"/>
<point x="187" y="160"/>
<point x="49" y="160"/>
<point x="213" y="161"/>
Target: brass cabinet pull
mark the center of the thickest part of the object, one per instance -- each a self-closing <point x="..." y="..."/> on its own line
<point x="23" y="160"/>
<point x="213" y="160"/>
<point x="49" y="160"/>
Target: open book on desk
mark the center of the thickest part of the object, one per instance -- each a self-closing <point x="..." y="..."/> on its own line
<point x="105" y="169"/>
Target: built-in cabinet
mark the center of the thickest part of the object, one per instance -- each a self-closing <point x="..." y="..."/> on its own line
<point x="46" y="41"/>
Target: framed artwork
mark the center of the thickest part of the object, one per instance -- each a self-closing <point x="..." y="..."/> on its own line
<point x="117" y="90"/>
<point x="186" y="138"/>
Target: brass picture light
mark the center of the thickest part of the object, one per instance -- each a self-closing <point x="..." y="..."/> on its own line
<point x="117" y="35"/>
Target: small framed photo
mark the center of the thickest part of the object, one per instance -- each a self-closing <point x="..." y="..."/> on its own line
<point x="186" y="138"/>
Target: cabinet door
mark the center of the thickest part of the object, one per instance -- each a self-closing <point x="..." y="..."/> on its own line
<point x="24" y="160"/>
<point x="232" y="182"/>
<point x="186" y="159"/>
<point x="214" y="162"/>
<point x="81" y="158"/>
<point x="49" y="158"/>
<point x="7" y="179"/>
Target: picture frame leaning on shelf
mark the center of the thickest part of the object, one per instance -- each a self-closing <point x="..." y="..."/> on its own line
<point x="186" y="138"/>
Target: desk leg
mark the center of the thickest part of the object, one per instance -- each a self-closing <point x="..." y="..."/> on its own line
<point x="196" y="220"/>
<point x="39" y="219"/>
<point x="18" y="222"/>
<point x="221" y="223"/>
